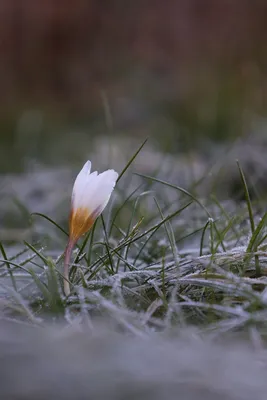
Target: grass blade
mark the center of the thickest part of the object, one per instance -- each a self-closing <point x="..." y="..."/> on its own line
<point x="247" y="197"/>
<point x="8" y="266"/>
<point x="50" y="220"/>
<point x="131" y="160"/>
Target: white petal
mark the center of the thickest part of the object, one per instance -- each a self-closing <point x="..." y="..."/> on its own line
<point x="81" y="178"/>
<point x="92" y="190"/>
<point x="104" y="186"/>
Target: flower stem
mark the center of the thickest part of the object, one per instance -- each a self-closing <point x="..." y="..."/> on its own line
<point x="68" y="253"/>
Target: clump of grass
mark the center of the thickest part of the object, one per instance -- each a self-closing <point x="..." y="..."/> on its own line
<point x="150" y="263"/>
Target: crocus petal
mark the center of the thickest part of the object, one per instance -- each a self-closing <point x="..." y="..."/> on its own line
<point x="91" y="193"/>
<point x="81" y="178"/>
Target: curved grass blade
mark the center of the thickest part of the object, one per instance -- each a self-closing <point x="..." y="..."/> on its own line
<point x="20" y="253"/>
<point x="122" y="206"/>
<point x="226" y="215"/>
<point x="50" y="220"/>
<point x="16" y="265"/>
<point x="184" y="191"/>
<point x="89" y="257"/>
<point x="170" y="235"/>
<point x="202" y="238"/>
<point x="130" y="233"/>
<point x="131" y="160"/>
<point x="252" y="243"/>
<point x="107" y="245"/>
<point x="43" y="258"/>
<point x="9" y="270"/>
<point x="247" y="197"/>
<point x="256" y="237"/>
<point x="171" y="185"/>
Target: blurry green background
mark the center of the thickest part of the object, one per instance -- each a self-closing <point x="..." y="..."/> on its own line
<point x="183" y="72"/>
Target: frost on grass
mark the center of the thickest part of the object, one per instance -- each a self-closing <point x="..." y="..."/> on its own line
<point x="167" y="251"/>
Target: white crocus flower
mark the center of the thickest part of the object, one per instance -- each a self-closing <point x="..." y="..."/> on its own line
<point x="90" y="195"/>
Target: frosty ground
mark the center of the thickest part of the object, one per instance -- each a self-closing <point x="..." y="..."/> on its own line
<point x="180" y="248"/>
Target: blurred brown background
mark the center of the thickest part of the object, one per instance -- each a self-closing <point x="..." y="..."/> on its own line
<point x="185" y="68"/>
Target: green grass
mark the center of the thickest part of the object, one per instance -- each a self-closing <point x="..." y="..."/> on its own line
<point x="158" y="257"/>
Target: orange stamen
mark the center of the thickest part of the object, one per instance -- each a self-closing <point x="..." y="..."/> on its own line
<point x="80" y="222"/>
